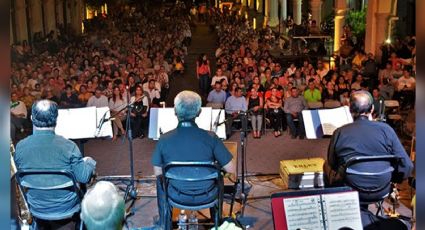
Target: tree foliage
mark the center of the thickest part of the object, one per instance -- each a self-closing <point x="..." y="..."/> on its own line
<point x="357" y="21"/>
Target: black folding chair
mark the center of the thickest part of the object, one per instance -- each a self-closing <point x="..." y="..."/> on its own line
<point x="31" y="180"/>
<point x="378" y="172"/>
<point x="195" y="172"/>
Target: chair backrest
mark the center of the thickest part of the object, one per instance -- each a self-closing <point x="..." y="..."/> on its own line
<point x="391" y="103"/>
<point x="45" y="182"/>
<point x="371" y="174"/>
<point x="315" y="105"/>
<point x="332" y="104"/>
<point x="190" y="173"/>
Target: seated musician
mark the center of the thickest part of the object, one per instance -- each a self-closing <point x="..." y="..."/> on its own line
<point x="187" y="143"/>
<point x="46" y="150"/>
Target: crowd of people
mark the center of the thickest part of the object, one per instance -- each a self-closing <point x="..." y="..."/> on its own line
<point x="126" y="56"/>
<point x="249" y="79"/>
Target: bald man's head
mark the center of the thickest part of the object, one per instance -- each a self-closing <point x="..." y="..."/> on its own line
<point x="361" y="103"/>
<point x="44" y="114"/>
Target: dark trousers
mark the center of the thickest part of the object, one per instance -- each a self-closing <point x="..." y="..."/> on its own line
<point x="276" y="119"/>
<point x="165" y="210"/>
<point x="137" y="126"/>
<point x="204" y="84"/>
<point x="229" y="123"/>
<point x="295" y="131"/>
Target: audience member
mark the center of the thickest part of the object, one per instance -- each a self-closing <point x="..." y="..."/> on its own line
<point x="98" y="100"/>
<point x="292" y="108"/>
<point x="217" y="97"/>
<point x="255" y="105"/>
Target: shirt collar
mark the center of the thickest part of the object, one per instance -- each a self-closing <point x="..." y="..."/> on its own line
<point x="186" y="124"/>
<point x="43" y="132"/>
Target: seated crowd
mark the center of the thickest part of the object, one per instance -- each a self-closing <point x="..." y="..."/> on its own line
<point x="127" y="62"/>
<point x="249" y="79"/>
<point x="132" y="56"/>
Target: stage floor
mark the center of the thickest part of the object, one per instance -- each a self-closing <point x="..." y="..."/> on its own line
<point x="263" y="156"/>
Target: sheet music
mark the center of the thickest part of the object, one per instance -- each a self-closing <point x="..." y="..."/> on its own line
<point x="76" y="123"/>
<point x="303" y="213"/>
<point x="221" y="129"/>
<point x="106" y="130"/>
<point x="80" y="123"/>
<point x="166" y="121"/>
<point x="342" y="210"/>
<point x="332" y="119"/>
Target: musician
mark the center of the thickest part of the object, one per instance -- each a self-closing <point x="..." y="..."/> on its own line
<point x="46" y="150"/>
<point x="187" y="143"/>
<point x="363" y="137"/>
<point x="18" y="116"/>
<point x="139" y="113"/>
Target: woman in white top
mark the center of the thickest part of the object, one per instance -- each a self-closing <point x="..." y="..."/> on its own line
<point x="117" y="103"/>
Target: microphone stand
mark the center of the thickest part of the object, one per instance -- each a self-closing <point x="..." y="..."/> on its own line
<point x="131" y="190"/>
<point x="243" y="134"/>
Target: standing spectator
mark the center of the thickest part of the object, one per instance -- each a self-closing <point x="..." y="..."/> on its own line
<point x="203" y="72"/>
<point x="98" y="99"/>
<point x="312" y="94"/>
<point x="370" y="71"/>
<point x="255" y="105"/>
<point x="292" y="108"/>
<point x="378" y="104"/>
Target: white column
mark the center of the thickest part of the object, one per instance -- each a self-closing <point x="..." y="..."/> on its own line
<point x="35" y="16"/>
<point x="21" y="22"/>
<point x="251" y="4"/>
<point x="316" y="10"/>
<point x="267" y="8"/>
<point x="59" y="11"/>
<point x="340" y="10"/>
<point x="283" y="10"/>
<point x="297" y="11"/>
<point x="274" y="17"/>
<point x="260" y="6"/>
<point x="49" y="15"/>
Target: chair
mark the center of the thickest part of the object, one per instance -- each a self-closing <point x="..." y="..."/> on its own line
<point x="378" y="171"/>
<point x="190" y="172"/>
<point x="315" y="105"/>
<point x="392" y="110"/>
<point x="332" y="104"/>
<point x="64" y="180"/>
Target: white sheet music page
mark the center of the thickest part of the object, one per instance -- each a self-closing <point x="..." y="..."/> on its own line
<point x="331" y="119"/>
<point x="342" y="210"/>
<point x="76" y="123"/>
<point x="106" y="130"/>
<point x="303" y="213"/>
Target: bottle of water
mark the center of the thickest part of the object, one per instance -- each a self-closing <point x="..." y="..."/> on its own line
<point x="25" y="225"/>
<point x="193" y="221"/>
<point x="182" y="220"/>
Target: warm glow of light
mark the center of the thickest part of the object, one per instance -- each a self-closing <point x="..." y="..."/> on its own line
<point x="82" y="27"/>
<point x="102" y="9"/>
<point x="388" y="41"/>
<point x="246" y="14"/>
<point x="106" y="8"/>
<point x="332" y="63"/>
<point x="254" y="23"/>
<point x="95" y="13"/>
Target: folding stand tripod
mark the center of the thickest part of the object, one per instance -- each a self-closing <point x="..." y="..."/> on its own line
<point x="131" y="190"/>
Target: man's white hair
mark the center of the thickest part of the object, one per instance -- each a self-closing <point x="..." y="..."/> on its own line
<point x="187" y="105"/>
<point x="103" y="207"/>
